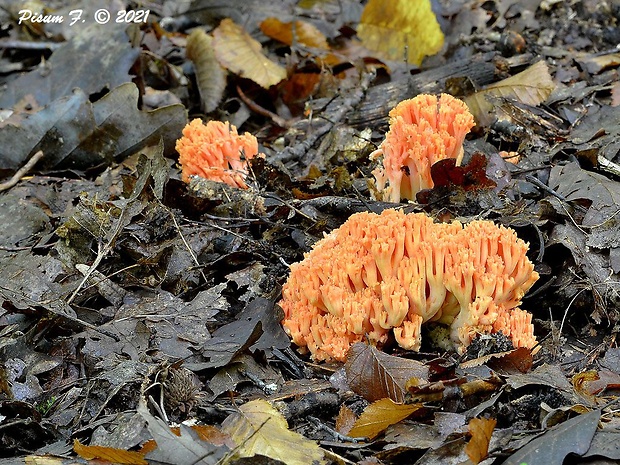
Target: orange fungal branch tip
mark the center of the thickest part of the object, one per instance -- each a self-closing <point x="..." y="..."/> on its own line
<point x="216" y="151"/>
<point x="423" y="130"/>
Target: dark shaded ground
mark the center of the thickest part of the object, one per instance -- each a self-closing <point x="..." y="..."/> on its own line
<point x="128" y="295"/>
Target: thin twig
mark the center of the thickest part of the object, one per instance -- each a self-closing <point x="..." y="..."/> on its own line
<point x="255" y="107"/>
<point x="27" y="45"/>
<point x="22" y="171"/>
<point x="547" y="189"/>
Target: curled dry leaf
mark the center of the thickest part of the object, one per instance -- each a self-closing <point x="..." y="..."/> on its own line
<point x="481" y="430"/>
<point x="378" y="416"/>
<point x="210" y="76"/>
<point x="295" y="31"/>
<point x="400" y="28"/>
<point x="531" y="87"/>
<point x="236" y="50"/>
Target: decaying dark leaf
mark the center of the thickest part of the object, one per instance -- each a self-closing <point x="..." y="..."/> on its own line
<point x="210" y="76"/>
<point x="99" y="56"/>
<point x="72" y="132"/>
<point x="183" y="449"/>
<point x="572" y="436"/>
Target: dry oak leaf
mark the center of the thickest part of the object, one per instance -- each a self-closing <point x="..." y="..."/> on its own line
<point x="531" y="87"/>
<point x="400" y="26"/>
<point x="259" y="429"/>
<point x="379" y="415"/>
<point x="237" y="51"/>
<point x="294" y="31"/>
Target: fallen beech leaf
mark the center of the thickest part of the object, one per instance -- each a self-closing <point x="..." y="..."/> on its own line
<point x="400" y="27"/>
<point x="108" y="454"/>
<point x="345" y="420"/>
<point x="379" y="415"/>
<point x="258" y="428"/>
<point x="210" y="76"/>
<point x="531" y="87"/>
<point x="236" y="50"/>
<point x="481" y="430"/>
<point x="374" y="375"/>
<point x="297" y="31"/>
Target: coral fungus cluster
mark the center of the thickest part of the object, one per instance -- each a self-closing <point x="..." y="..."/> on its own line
<point x="423" y="130"/>
<point x="215" y="151"/>
<point x="390" y="273"/>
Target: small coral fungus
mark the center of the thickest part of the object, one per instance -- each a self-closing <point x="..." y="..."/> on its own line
<point x="390" y="273"/>
<point x="215" y="151"/>
<point x="423" y="130"/>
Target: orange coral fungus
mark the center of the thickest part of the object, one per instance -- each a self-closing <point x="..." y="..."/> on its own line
<point x="390" y="273"/>
<point x="423" y="130"/>
<point x="215" y="151"/>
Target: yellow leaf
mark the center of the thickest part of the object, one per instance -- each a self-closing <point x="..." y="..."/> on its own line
<point x="300" y="31"/>
<point x="481" y="430"/>
<point x="109" y="454"/>
<point x="379" y="415"/>
<point x="399" y="28"/>
<point x="258" y="428"/>
<point x="531" y="87"/>
<point x="210" y="76"/>
<point x="236" y="50"/>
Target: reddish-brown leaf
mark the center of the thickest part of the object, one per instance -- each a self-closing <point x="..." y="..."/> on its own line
<point x="375" y="375"/>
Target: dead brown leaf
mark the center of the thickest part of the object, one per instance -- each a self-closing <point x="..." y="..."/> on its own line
<point x="481" y="430"/>
<point x="531" y="87"/>
<point x="294" y="31"/>
<point x="109" y="454"/>
<point x="345" y="420"/>
<point x="236" y="50"/>
<point x="375" y="375"/>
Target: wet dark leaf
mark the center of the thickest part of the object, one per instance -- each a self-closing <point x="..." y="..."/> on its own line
<point x="72" y="132"/>
<point x="572" y="436"/>
<point x="99" y="56"/>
